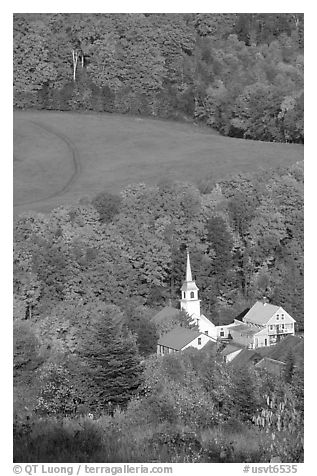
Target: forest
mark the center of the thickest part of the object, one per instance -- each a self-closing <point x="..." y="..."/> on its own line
<point x="89" y="277"/>
<point x="241" y="74"/>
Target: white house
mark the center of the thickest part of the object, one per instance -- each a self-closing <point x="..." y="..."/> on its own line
<point x="272" y="322"/>
<point x="230" y="352"/>
<point x="180" y="338"/>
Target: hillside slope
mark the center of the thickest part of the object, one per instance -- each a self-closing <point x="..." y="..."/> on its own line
<point x="61" y="157"/>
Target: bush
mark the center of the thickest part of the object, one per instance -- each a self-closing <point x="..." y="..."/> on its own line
<point x="176" y="446"/>
<point x="56" y="441"/>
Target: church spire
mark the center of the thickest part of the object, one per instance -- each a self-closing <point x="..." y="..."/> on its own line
<point x="189" y="298"/>
<point x="188" y="269"/>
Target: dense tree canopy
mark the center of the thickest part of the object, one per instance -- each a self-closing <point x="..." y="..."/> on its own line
<point x="245" y="237"/>
<point x="242" y="74"/>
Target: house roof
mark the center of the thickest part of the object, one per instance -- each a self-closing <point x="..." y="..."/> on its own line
<point x="247" y="357"/>
<point x="167" y="313"/>
<point x="178" y="337"/>
<point x="271" y="365"/>
<point x="260" y="313"/>
<point x="278" y="352"/>
<point x="244" y="329"/>
<point x="230" y="348"/>
<point x="292" y="344"/>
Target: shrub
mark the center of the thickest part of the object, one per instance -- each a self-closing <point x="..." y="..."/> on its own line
<point x="56" y="441"/>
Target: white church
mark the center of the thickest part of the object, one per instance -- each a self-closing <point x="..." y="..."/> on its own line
<point x="263" y="325"/>
<point x="191" y="305"/>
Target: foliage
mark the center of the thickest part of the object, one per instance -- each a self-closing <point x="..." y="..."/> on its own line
<point x="156" y="427"/>
<point x="139" y="323"/>
<point x="241" y="74"/>
<point x="56" y="394"/>
<point x="283" y="420"/>
<point x="112" y="366"/>
<point x="107" y="206"/>
<point x="52" y="440"/>
<point x="26" y="348"/>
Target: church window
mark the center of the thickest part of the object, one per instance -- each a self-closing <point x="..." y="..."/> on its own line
<point x="184" y="295"/>
<point x="192" y="295"/>
<point x="277" y="317"/>
<point x="199" y="340"/>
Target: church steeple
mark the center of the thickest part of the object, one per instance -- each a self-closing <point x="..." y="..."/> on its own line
<point x="188" y="269"/>
<point x="189" y="300"/>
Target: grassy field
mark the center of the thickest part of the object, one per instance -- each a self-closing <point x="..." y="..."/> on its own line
<point x="60" y="157"/>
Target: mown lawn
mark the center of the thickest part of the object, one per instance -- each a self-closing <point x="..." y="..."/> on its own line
<point x="61" y="157"/>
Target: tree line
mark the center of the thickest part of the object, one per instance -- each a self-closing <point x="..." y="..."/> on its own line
<point x="244" y="234"/>
<point x="241" y="74"/>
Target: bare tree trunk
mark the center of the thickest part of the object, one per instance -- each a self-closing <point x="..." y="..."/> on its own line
<point x="75" y="61"/>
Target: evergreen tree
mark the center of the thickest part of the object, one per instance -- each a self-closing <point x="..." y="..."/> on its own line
<point x="112" y="362"/>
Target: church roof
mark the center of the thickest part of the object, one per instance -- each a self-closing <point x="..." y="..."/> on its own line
<point x="178" y="337"/>
<point x="188" y="269"/>
<point x="189" y="286"/>
<point x="260" y="312"/>
<point x="167" y="313"/>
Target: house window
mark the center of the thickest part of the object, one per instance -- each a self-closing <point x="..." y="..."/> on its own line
<point x="222" y="334"/>
<point x="265" y="341"/>
<point x="192" y="295"/>
<point x="271" y="328"/>
<point x="282" y="325"/>
<point x="184" y="295"/>
<point x="199" y="340"/>
<point x="277" y="318"/>
<point x="206" y="332"/>
<point x="282" y="316"/>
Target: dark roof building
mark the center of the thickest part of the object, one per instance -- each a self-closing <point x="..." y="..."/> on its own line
<point x="180" y="338"/>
